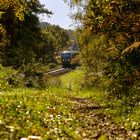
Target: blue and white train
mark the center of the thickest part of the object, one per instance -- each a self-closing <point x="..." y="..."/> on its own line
<point x="69" y="58"/>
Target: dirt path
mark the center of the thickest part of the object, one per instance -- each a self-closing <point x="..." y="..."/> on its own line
<point x="95" y="124"/>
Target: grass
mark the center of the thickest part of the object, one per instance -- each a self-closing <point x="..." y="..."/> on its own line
<point x="64" y="110"/>
<point x="72" y="80"/>
<point x="123" y="111"/>
<point x="33" y="112"/>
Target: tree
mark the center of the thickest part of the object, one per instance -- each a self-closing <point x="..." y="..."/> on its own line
<point x="10" y="13"/>
<point x="59" y="36"/>
<point x="117" y="23"/>
<point x="55" y="40"/>
<point x="20" y="30"/>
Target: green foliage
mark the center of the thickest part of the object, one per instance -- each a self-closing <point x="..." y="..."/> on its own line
<point x="57" y="36"/>
<point x="9" y="78"/>
<point x="34" y="76"/>
<point x="30" y="76"/>
<point x="106" y="36"/>
<point x="20" y="30"/>
<point x="5" y="73"/>
<point x="54" y="82"/>
<point x="69" y="114"/>
<point x="94" y="54"/>
<point x="70" y="80"/>
<point x="37" y="111"/>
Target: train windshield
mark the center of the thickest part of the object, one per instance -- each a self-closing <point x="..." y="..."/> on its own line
<point x="66" y="55"/>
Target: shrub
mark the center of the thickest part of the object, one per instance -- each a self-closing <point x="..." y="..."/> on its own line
<point x="30" y="76"/>
<point x="6" y="77"/>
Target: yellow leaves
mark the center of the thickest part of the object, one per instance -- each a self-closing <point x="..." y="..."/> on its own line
<point x="103" y="137"/>
<point x="1" y="13"/>
<point x="20" y="15"/>
<point x="91" y="13"/>
<point x="19" y="8"/>
<point x="5" y="4"/>
<point x="134" y="46"/>
<point x="90" y="28"/>
<point x="10" y="11"/>
<point x="2" y="30"/>
<point x="2" y="34"/>
<point x="32" y="138"/>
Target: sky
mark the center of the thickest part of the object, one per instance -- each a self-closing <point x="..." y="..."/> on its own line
<point x="61" y="13"/>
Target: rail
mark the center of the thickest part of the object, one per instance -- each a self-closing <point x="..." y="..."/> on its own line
<point x="58" y="72"/>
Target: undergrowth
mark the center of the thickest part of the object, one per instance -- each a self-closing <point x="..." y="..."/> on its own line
<point x="51" y="112"/>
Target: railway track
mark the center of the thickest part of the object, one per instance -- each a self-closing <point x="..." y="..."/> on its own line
<point x="57" y="72"/>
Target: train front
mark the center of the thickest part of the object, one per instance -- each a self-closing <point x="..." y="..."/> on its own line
<point x="66" y="58"/>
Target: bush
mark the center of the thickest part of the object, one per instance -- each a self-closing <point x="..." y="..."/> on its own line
<point x="6" y="78"/>
<point x="34" y="76"/>
<point x="30" y="76"/>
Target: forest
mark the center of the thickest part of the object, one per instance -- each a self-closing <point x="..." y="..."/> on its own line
<point x="108" y="36"/>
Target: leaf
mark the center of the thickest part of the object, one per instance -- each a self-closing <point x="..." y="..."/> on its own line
<point x="1" y="13"/>
<point x="135" y="45"/>
<point x="103" y="137"/>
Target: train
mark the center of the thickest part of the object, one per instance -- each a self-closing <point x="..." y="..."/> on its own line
<point x="69" y="58"/>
